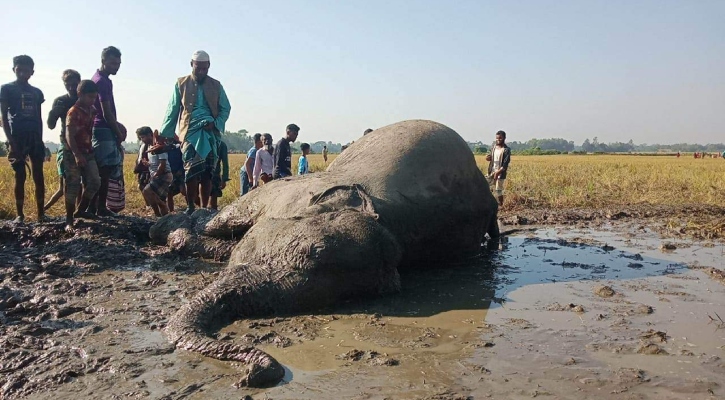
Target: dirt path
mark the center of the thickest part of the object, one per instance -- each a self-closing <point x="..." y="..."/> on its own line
<point x="607" y="310"/>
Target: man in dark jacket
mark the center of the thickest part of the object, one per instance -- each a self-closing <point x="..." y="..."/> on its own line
<point x="498" y="164"/>
<point x="283" y="153"/>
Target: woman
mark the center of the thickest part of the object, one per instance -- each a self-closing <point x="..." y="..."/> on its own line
<point x="264" y="162"/>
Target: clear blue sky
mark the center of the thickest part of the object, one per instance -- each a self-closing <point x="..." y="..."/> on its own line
<point x="651" y="71"/>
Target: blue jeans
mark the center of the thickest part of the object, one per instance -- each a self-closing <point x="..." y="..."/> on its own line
<point x="244" y="182"/>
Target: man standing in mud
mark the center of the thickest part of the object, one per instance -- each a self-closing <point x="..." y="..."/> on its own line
<point x="499" y="159"/>
<point x="108" y="133"/>
<point x="201" y="107"/>
<point x="283" y="153"/>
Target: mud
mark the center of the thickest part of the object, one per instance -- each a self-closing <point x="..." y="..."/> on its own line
<point x="81" y="317"/>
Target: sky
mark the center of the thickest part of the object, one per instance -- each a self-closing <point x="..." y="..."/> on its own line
<point x="650" y="71"/>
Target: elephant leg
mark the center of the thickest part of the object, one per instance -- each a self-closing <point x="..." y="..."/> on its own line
<point x="287" y="266"/>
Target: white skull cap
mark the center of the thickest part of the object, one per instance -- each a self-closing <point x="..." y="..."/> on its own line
<point x="200" y="55"/>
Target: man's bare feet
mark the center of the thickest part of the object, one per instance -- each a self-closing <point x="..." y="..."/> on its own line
<point x="69" y="228"/>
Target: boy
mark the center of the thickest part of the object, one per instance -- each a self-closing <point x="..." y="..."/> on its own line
<point x="158" y="188"/>
<point x="176" y="163"/>
<point x="499" y="159"/>
<point x="283" y="153"/>
<point x="221" y="175"/>
<point x="247" y="170"/>
<point x="23" y="126"/>
<point x="302" y="166"/>
<point x="79" y="158"/>
<point x="61" y="105"/>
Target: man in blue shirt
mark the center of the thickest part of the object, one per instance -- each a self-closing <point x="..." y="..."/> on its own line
<point x="303" y="167"/>
<point x="23" y="126"/>
<point x="245" y="174"/>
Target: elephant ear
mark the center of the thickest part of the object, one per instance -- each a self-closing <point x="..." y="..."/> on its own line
<point x="342" y="197"/>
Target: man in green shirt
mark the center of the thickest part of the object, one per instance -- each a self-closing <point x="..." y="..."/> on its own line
<point x="201" y="108"/>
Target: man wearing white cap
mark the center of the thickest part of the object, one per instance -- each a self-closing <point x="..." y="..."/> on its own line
<point x="204" y="109"/>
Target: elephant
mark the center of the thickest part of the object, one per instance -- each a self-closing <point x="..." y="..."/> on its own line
<point x="407" y="192"/>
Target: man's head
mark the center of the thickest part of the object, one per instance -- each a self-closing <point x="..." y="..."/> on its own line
<point x="71" y="79"/>
<point x="324" y="147"/>
<point x="111" y="60"/>
<point x="367" y="131"/>
<point x="24" y="67"/>
<point x="145" y="135"/>
<point x="200" y="65"/>
<point x="292" y="132"/>
<point x="500" y="138"/>
<point x="305" y="147"/>
<point x="87" y="92"/>
<point x="258" y="141"/>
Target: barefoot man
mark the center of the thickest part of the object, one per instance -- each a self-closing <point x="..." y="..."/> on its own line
<point x="204" y="109"/>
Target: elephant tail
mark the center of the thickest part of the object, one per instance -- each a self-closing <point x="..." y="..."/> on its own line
<point x="219" y="303"/>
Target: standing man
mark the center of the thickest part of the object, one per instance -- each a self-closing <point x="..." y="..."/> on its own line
<point x="324" y="153"/>
<point x="247" y="172"/>
<point x="283" y="153"/>
<point x="108" y="133"/>
<point x="204" y="108"/>
<point x="23" y="126"/>
<point x="499" y="159"/>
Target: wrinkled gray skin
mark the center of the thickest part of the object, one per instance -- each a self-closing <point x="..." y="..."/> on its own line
<point x="407" y="192"/>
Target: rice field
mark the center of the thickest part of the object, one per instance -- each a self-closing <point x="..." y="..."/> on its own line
<point x="558" y="181"/>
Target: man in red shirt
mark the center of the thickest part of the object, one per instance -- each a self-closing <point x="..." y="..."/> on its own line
<point x="79" y="159"/>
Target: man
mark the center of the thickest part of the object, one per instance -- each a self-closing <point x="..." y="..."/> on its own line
<point x="324" y="153"/>
<point x="283" y="153"/>
<point x="303" y="167"/>
<point x="248" y="169"/>
<point x="499" y="159"/>
<point x="23" y="126"/>
<point x="108" y="133"/>
<point x="201" y="107"/>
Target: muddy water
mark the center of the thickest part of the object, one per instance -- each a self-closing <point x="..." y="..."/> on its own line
<point x="520" y="321"/>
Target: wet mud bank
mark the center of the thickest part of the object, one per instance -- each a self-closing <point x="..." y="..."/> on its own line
<point x="612" y="311"/>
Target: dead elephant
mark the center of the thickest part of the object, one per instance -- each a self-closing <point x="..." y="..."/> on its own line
<point x="407" y="192"/>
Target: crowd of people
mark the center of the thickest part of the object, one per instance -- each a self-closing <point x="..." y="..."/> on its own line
<point x="185" y="156"/>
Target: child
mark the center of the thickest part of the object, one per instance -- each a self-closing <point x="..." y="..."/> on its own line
<point x="221" y="175"/>
<point x="61" y="105"/>
<point x="499" y="159"/>
<point x="302" y="165"/>
<point x="23" y="126"/>
<point x="264" y="162"/>
<point x="141" y="168"/>
<point x="158" y="188"/>
<point x="176" y="163"/>
<point x="79" y="159"/>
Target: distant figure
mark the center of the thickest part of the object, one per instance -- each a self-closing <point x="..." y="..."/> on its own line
<point x="283" y="153"/>
<point x="221" y="176"/>
<point x="302" y="166"/>
<point x="264" y="163"/>
<point x="367" y="131"/>
<point x="61" y="105"/>
<point x="247" y="171"/>
<point x="23" y="126"/>
<point x="499" y="159"/>
<point x="47" y="154"/>
<point x="201" y="108"/>
<point x="678" y="154"/>
<point x="324" y="154"/>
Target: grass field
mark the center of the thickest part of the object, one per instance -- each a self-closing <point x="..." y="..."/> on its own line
<point x="561" y="181"/>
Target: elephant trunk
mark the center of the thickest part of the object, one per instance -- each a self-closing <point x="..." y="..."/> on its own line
<point x="239" y="294"/>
